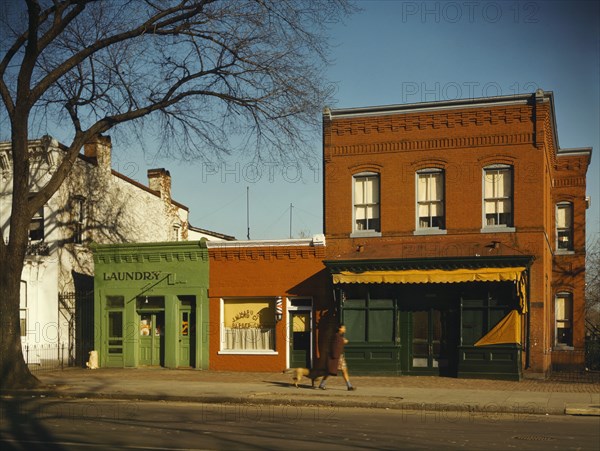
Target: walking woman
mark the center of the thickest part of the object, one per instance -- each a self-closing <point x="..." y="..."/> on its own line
<point x="336" y="360"/>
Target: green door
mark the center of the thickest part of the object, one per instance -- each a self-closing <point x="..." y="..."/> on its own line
<point x="300" y="339"/>
<point x="187" y="332"/>
<point x="152" y="332"/>
<point x="426" y="340"/>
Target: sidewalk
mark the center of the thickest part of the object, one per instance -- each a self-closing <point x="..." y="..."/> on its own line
<point x="410" y="393"/>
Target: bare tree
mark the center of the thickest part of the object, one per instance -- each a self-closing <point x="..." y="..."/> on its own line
<point x="592" y="286"/>
<point x="205" y="70"/>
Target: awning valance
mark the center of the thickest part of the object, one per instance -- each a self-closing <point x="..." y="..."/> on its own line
<point x="431" y="276"/>
<point x="514" y="274"/>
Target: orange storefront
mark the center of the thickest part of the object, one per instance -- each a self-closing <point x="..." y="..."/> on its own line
<point x="269" y="304"/>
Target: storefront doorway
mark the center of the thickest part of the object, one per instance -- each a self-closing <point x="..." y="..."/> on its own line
<point x="300" y="333"/>
<point x="187" y="331"/>
<point x="426" y="338"/>
<point x="151" y="311"/>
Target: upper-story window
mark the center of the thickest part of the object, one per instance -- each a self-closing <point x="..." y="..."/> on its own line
<point x="366" y="202"/>
<point x="430" y="199"/>
<point x="36" y="226"/>
<point x="563" y="316"/>
<point x="564" y="226"/>
<point x="498" y="196"/>
<point x="78" y="205"/>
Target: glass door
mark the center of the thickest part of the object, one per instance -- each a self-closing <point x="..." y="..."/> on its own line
<point x="299" y="339"/>
<point x="187" y="331"/>
<point x="426" y="339"/>
<point x="152" y="330"/>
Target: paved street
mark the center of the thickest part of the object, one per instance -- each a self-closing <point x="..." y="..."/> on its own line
<point x="46" y="423"/>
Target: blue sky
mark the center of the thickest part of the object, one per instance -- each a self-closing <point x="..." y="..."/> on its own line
<point x="395" y="52"/>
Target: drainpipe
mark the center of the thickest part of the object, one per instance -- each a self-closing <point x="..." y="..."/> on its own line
<point x="528" y="328"/>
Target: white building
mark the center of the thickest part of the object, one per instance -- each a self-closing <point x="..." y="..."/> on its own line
<point x="95" y="204"/>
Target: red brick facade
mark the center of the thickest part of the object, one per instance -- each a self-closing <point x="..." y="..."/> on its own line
<point x="461" y="138"/>
<point x="267" y="270"/>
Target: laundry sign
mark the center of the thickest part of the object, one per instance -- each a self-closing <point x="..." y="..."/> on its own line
<point x="131" y="275"/>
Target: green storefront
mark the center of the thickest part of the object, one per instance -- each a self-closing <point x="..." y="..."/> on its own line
<point x="457" y="317"/>
<point x="151" y="304"/>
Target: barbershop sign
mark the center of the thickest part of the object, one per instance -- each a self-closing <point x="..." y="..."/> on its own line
<point x="132" y="275"/>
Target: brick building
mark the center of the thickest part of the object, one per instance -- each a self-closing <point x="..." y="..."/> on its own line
<point x="456" y="236"/>
<point x="269" y="304"/>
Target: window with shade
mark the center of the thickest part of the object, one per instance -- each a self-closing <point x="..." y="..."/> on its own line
<point x="248" y="325"/>
<point x="563" y="316"/>
<point x="564" y="227"/>
<point x="430" y="199"/>
<point x="497" y="196"/>
<point x="366" y="203"/>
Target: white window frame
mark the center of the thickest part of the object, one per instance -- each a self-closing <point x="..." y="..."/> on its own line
<point x="369" y="231"/>
<point x="565" y="230"/>
<point x="299" y="308"/>
<point x="429" y="201"/>
<point x="223" y="349"/>
<point x="563" y="316"/>
<point x="497" y="198"/>
<point x="38" y="218"/>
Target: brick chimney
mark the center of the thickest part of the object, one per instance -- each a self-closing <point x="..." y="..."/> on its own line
<point x="100" y="149"/>
<point x="160" y="180"/>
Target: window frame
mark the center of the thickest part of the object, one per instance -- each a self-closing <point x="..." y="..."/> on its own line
<point x="497" y="226"/>
<point x="79" y="217"/>
<point x="223" y="349"/>
<point x="568" y="309"/>
<point x="567" y="229"/>
<point x="375" y="231"/>
<point x="431" y="229"/>
<point x="38" y="218"/>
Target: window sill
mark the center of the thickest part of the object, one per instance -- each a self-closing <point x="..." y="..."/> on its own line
<point x="432" y="231"/>
<point x="564" y="252"/>
<point x="498" y="229"/>
<point x="563" y="348"/>
<point x="365" y="234"/>
<point x="247" y="352"/>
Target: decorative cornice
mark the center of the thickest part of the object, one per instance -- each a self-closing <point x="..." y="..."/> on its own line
<point x="568" y="181"/>
<point x="154" y="257"/>
<point x="267" y="253"/>
<point x="425" y="120"/>
<point x="433" y="144"/>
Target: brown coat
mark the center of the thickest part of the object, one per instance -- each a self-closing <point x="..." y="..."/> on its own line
<point x="335" y="351"/>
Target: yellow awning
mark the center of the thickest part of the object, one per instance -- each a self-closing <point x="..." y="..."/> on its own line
<point x="515" y="274"/>
<point x="508" y="330"/>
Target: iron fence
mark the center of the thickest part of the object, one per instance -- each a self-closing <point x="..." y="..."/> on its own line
<point x="578" y="366"/>
<point x="46" y="357"/>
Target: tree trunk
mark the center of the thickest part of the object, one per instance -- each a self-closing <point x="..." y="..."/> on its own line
<point x="14" y="372"/>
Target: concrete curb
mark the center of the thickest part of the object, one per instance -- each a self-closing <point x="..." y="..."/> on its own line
<point x="582" y="409"/>
<point x="273" y="399"/>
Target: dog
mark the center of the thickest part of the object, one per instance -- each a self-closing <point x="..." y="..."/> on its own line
<point x="92" y="363"/>
<point x="298" y="373"/>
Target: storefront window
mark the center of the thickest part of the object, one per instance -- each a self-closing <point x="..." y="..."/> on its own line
<point x="481" y="313"/>
<point x="368" y="315"/>
<point x="248" y="325"/>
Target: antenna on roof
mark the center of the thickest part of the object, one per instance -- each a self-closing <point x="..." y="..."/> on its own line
<point x="291" y="207"/>
<point x="248" y="210"/>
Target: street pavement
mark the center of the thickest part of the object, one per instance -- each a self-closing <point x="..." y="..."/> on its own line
<point x="410" y="393"/>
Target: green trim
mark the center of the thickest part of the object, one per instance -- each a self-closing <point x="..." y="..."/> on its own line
<point x="167" y="270"/>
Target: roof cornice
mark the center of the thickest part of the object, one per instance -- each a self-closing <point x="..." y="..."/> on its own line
<point x="383" y="110"/>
